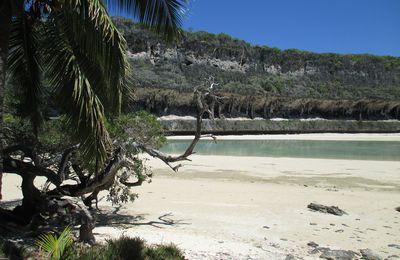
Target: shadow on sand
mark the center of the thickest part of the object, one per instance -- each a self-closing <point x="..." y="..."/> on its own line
<point x="117" y="219"/>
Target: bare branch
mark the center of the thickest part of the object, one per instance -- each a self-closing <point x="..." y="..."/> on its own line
<point x="103" y="181"/>
<point x="28" y="152"/>
<point x="202" y="107"/>
<point x="22" y="168"/>
<point x="64" y="161"/>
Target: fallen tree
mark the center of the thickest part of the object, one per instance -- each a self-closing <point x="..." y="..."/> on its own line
<point x="72" y="185"/>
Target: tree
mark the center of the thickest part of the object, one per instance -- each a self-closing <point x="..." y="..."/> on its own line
<point x="72" y="50"/>
<point x="81" y="40"/>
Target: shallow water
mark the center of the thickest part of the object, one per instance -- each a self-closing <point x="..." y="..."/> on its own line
<point x="351" y="150"/>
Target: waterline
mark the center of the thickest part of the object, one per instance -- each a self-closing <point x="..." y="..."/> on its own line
<point x="350" y="150"/>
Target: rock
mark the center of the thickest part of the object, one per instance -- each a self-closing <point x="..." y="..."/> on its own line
<point x="394" y="245"/>
<point x="398" y="209"/>
<point x="369" y="255"/>
<point x="312" y="244"/>
<point x="326" y="209"/>
<point x="290" y="257"/>
<point x="267" y="227"/>
<point x="393" y="257"/>
<point x="319" y="250"/>
<point x="338" y="255"/>
<point x="313" y="224"/>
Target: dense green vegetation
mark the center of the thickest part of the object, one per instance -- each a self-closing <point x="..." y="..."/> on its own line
<point x="123" y="248"/>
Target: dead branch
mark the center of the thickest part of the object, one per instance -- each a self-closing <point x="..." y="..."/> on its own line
<point x="202" y="107"/>
<point x="64" y="161"/>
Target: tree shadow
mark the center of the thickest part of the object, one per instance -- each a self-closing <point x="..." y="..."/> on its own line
<point x="122" y="220"/>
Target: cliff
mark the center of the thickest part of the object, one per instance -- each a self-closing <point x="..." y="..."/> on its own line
<point x="258" y="80"/>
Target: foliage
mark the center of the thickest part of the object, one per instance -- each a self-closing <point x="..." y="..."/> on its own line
<point x="53" y="246"/>
<point x="161" y="252"/>
<point x="125" y="248"/>
<point x="140" y="126"/>
<point x="295" y="73"/>
<point x="132" y="127"/>
<point x="74" y="54"/>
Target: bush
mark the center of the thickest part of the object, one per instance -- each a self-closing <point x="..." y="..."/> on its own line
<point x="124" y="248"/>
<point x="161" y="252"/>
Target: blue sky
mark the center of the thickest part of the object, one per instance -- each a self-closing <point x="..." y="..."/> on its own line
<point x="341" y="26"/>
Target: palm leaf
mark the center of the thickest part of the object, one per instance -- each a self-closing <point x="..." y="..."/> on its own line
<point x="164" y="16"/>
<point x="84" y="110"/>
<point x="98" y="41"/>
<point x="24" y="68"/>
<point x="55" y="246"/>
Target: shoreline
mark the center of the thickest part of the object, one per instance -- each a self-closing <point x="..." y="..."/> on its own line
<point x="234" y="207"/>
<point x="312" y="136"/>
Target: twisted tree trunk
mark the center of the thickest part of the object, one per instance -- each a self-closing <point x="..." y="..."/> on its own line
<point x="5" y="20"/>
<point x="2" y="85"/>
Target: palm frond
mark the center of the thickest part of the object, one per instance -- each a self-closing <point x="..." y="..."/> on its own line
<point x="164" y="16"/>
<point x="24" y="68"/>
<point x="55" y="246"/>
<point x="83" y="108"/>
<point x="93" y="35"/>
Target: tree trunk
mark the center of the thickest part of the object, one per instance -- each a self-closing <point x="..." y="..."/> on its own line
<point x="2" y="86"/>
<point x="5" y="20"/>
<point x="31" y="199"/>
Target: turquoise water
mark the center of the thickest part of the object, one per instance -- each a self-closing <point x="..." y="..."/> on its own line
<point x="352" y="150"/>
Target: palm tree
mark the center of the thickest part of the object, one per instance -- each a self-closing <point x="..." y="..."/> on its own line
<point x="73" y="48"/>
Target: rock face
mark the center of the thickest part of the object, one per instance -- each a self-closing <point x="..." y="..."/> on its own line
<point x="261" y="71"/>
<point x="240" y="126"/>
<point x="241" y="65"/>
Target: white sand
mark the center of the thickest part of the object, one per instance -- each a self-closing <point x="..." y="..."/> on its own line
<point x="224" y="207"/>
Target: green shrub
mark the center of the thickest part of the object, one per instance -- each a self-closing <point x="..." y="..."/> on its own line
<point x="141" y="126"/>
<point x="125" y="248"/>
<point x="163" y="252"/>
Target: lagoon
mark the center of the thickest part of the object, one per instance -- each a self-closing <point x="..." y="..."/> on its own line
<point x="331" y="149"/>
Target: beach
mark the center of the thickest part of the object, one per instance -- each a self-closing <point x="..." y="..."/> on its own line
<point x="238" y="207"/>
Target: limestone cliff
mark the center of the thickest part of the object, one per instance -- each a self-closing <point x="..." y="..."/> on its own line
<point x="258" y="80"/>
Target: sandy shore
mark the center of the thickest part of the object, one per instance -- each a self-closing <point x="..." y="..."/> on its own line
<point x="324" y="137"/>
<point x="223" y="207"/>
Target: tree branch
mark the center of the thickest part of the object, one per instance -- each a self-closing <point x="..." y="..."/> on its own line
<point x="28" y="152"/>
<point x="202" y="107"/>
<point x="64" y="161"/>
<point x="22" y="168"/>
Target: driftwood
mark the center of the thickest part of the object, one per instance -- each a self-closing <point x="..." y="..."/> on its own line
<point x="326" y="209"/>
